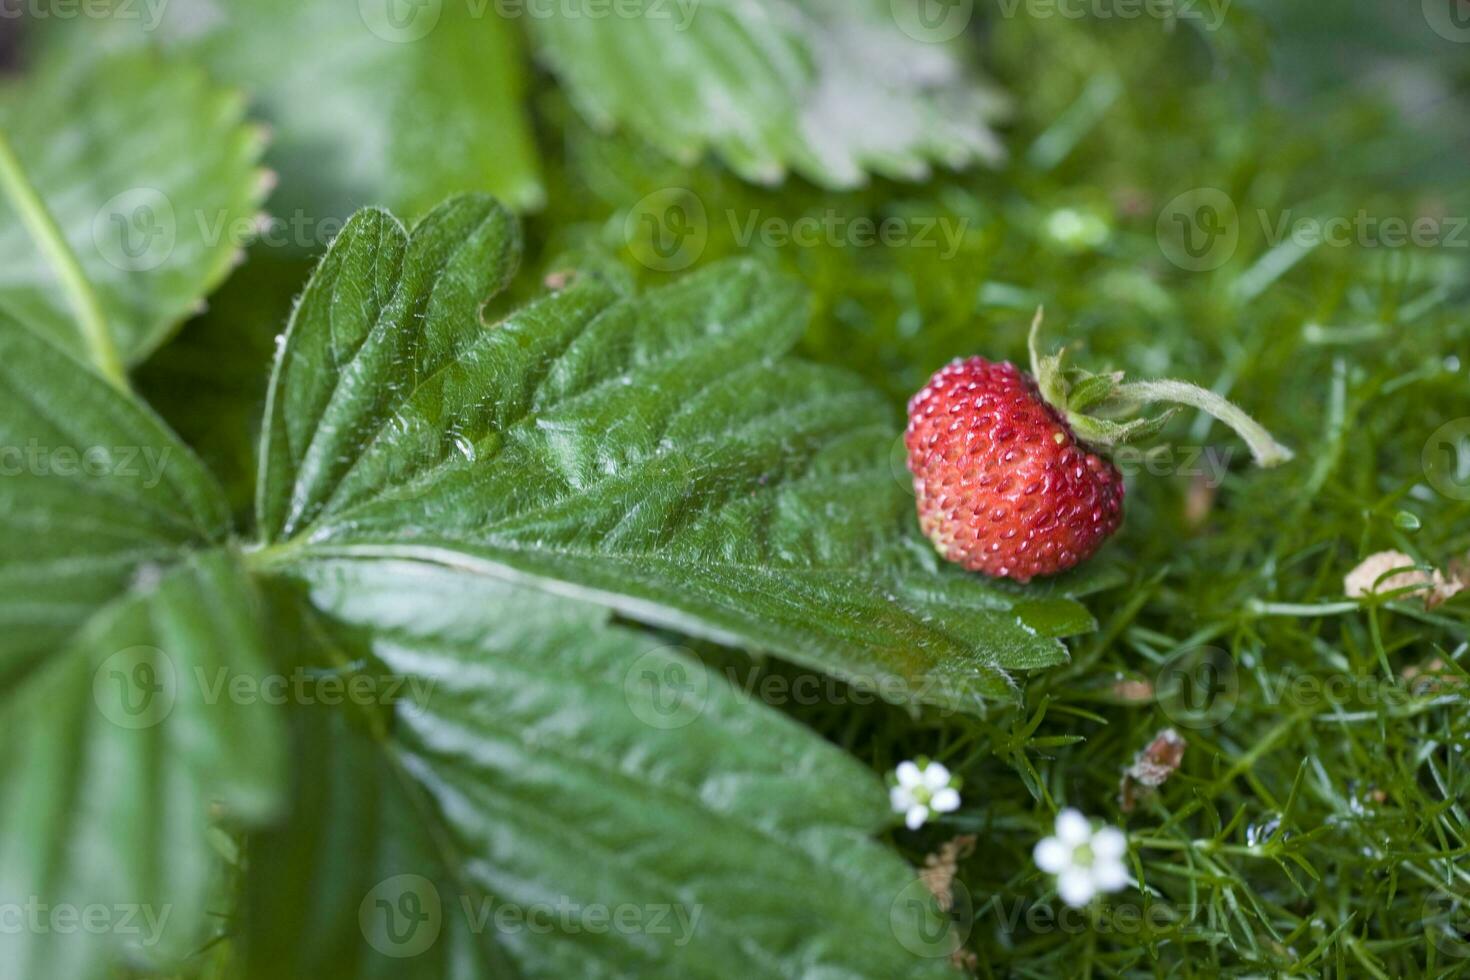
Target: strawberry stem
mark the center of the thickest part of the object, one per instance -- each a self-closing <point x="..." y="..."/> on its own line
<point x="1111" y="397"/>
<point x="1266" y="450"/>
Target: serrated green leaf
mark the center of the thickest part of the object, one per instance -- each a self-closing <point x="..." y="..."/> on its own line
<point x="833" y="89"/>
<point x="117" y="634"/>
<point x="94" y="490"/>
<point x="119" y="747"/>
<point x="657" y="454"/>
<point x="546" y="793"/>
<point x="151" y="176"/>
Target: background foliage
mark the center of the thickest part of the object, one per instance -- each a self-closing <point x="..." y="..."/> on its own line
<point x="1316" y="823"/>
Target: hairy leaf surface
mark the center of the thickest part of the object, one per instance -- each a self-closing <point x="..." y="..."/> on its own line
<point x="568" y="794"/>
<point x="659" y="454"/>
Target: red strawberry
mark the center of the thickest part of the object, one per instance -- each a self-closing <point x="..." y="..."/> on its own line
<point x="1004" y="487"/>
<point x="1005" y="484"/>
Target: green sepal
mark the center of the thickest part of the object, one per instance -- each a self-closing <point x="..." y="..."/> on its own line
<point x="1106" y="433"/>
<point x="1093" y="389"/>
<point x="1095" y="405"/>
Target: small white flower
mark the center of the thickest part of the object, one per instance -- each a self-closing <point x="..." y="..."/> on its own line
<point x="1085" y="861"/>
<point x="923" y="788"/>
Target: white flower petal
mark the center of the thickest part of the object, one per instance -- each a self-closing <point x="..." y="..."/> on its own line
<point x="916" y="816"/>
<point x="901" y="798"/>
<point x="936" y="776"/>
<point x="1075" y="887"/>
<point x="1109" y="844"/>
<point x="1052" y="856"/>
<point x="1109" y="876"/>
<point x="945" y="800"/>
<point x="909" y="775"/>
<point x="1073" y="828"/>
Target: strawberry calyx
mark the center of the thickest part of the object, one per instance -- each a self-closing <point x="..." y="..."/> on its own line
<point x="1101" y="408"/>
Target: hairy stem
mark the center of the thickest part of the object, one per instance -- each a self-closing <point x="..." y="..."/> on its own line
<point x="91" y="322"/>
<point x="1266" y="450"/>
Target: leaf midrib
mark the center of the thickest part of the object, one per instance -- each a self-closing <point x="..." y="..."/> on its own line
<point x="452" y="554"/>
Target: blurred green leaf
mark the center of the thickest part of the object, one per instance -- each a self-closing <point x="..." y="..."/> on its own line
<point x="95" y="492"/>
<point x="119" y="751"/>
<point x="377" y="102"/>
<point x="151" y="176"/>
<point x="398" y="103"/>
<point x="118" y="636"/>
<point x="832" y="89"/>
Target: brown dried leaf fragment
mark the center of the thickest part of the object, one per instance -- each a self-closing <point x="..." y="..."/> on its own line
<point x="940" y="868"/>
<point x="1372" y="576"/>
<point x="1151" y="767"/>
